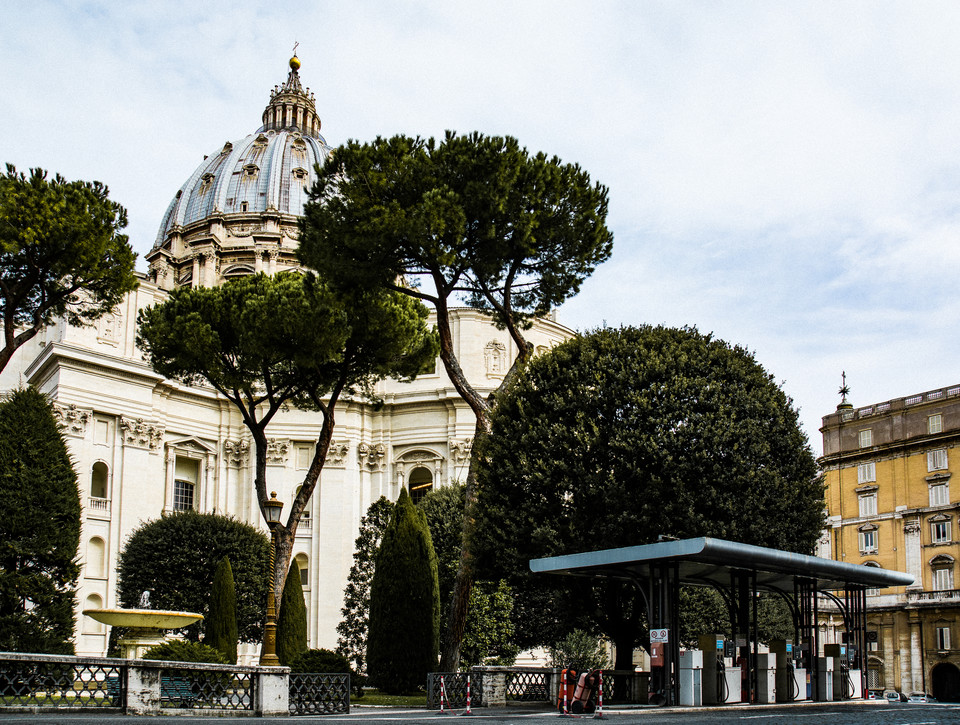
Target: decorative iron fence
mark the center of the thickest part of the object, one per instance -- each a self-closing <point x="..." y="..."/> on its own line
<point x="63" y="683"/>
<point x="319" y="694"/>
<point x="205" y="689"/>
<point x="454" y="685"/>
<point x="528" y="686"/>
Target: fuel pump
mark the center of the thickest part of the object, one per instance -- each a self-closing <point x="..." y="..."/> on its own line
<point x="720" y="680"/>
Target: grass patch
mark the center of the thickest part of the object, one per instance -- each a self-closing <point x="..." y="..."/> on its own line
<point x="375" y="697"/>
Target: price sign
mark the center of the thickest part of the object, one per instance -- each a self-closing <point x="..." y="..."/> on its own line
<point x="659" y="635"/>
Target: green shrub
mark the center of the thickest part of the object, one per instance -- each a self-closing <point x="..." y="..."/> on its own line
<point x="581" y="651"/>
<point x="404" y="639"/>
<point x="180" y="650"/>
<point x="221" y="629"/>
<point x="292" y="622"/>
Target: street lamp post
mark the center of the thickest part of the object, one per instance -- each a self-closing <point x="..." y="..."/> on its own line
<point x="268" y="652"/>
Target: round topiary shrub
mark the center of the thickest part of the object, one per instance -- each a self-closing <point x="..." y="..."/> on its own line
<point x="179" y="650"/>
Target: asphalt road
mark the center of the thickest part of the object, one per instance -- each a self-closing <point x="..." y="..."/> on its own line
<point x="833" y="714"/>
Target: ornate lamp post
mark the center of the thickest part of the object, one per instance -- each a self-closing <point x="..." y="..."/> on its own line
<point x="268" y="652"/>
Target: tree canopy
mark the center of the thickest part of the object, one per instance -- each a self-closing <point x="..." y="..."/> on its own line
<point x="39" y="530"/>
<point x="474" y="219"/>
<point x="265" y="341"/>
<point x="622" y="435"/>
<point x="61" y="254"/>
<point x="175" y="558"/>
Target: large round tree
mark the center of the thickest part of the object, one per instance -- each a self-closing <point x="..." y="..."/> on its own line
<point x="622" y="435"/>
<point x="175" y="557"/>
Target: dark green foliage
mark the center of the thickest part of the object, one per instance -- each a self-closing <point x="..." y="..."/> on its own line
<point x="581" y="651"/>
<point x="39" y="528"/>
<point x="619" y="436"/>
<point x="489" y="631"/>
<point x="221" y="622"/>
<point x="475" y="213"/>
<point x="404" y="604"/>
<point x="320" y="660"/>
<point x="292" y="623"/>
<point x="488" y="637"/>
<point x="352" y="630"/>
<point x="174" y="557"/>
<point x="61" y="254"/>
<point x="178" y="650"/>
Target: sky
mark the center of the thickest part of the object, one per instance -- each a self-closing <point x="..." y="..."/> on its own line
<point x="783" y="175"/>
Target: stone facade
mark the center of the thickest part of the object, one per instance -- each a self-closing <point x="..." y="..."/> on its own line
<point x="144" y="445"/>
<point x="891" y="503"/>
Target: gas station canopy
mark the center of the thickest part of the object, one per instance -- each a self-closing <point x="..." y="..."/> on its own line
<point x="709" y="562"/>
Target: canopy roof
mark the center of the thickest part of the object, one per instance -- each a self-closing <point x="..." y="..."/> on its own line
<point x="707" y="561"/>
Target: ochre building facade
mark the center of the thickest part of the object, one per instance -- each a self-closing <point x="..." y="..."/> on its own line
<point x="892" y="503"/>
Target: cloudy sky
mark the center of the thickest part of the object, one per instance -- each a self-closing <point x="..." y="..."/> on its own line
<point x="785" y="175"/>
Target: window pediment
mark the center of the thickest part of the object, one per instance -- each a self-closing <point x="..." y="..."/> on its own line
<point x="867" y="527"/>
<point x="866" y="489"/>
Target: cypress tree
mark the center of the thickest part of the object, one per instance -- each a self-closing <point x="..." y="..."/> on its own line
<point x="40" y="529"/>
<point x="292" y="622"/>
<point x="403" y="640"/>
<point x="222" y="619"/>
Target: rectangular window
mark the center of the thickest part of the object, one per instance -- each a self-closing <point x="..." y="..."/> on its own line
<point x="866" y="438"/>
<point x="101" y="432"/>
<point x="182" y="495"/>
<point x="943" y="638"/>
<point x="868" y="542"/>
<point x="866" y="472"/>
<point x="943" y="579"/>
<point x="304" y="577"/>
<point x="868" y="504"/>
<point x="940" y="494"/>
<point x="935" y="423"/>
<point x="304" y="457"/>
<point x="940" y="532"/>
<point x="937" y="460"/>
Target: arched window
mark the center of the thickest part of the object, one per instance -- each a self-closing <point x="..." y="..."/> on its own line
<point x="942" y="567"/>
<point x="99" y="475"/>
<point x="96" y="557"/>
<point x="303" y="564"/>
<point x="421" y="482"/>
<point x="91" y="625"/>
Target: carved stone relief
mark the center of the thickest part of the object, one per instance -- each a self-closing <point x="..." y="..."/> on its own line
<point x="371" y="455"/>
<point x="277" y="450"/>
<point x="139" y="433"/>
<point x="108" y="328"/>
<point x="236" y="452"/>
<point x="337" y="453"/>
<point x="73" y="419"/>
<point x="495" y="358"/>
<point x="460" y="449"/>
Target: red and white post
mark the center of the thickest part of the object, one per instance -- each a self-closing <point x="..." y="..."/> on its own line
<point x="468" y="711"/>
<point x="599" y="714"/>
<point x="443" y="696"/>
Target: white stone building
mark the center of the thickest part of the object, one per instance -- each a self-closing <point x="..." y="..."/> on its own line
<point x="143" y="445"/>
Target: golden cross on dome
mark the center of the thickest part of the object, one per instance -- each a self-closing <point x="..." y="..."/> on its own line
<point x="295" y="44"/>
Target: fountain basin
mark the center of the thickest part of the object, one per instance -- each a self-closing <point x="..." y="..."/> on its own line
<point x="143" y="618"/>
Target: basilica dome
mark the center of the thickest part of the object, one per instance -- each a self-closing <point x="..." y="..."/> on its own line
<point x="237" y="212"/>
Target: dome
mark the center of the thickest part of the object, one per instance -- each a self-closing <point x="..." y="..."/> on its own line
<point x="266" y="171"/>
<point x="238" y="211"/>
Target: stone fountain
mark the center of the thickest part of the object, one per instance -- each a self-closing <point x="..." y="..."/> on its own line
<point x="146" y="626"/>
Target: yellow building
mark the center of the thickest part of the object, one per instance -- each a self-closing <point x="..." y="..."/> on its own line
<point x="890" y="504"/>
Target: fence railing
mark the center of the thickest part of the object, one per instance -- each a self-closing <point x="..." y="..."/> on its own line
<point x="319" y="694"/>
<point x="40" y="683"/>
<point x="454" y="684"/>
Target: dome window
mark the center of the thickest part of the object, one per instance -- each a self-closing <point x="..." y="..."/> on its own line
<point x="206" y="179"/>
<point x="243" y="206"/>
<point x="260" y="141"/>
<point x="227" y="148"/>
<point x="251" y="171"/>
<point x="299" y="173"/>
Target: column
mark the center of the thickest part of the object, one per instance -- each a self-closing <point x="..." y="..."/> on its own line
<point x="889" y="659"/>
<point x="905" y="657"/>
<point x="195" y="280"/>
<point x="916" y="655"/>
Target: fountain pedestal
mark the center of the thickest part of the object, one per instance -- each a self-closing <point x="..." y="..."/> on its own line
<point x="147" y="626"/>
